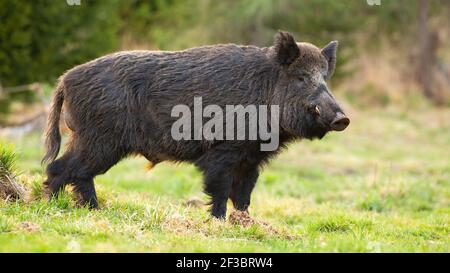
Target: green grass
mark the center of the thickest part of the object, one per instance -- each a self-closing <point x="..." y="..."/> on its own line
<point x="7" y="160"/>
<point x="380" y="186"/>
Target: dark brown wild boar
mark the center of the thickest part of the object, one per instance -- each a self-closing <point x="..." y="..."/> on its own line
<point x="121" y="104"/>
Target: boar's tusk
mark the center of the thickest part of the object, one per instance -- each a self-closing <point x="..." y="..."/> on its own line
<point x="317" y="110"/>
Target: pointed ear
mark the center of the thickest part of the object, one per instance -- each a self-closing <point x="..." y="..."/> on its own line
<point x="286" y="48"/>
<point x="329" y="51"/>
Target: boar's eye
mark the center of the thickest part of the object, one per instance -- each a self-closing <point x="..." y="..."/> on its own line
<point x="301" y="78"/>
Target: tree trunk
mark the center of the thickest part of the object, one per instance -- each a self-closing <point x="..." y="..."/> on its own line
<point x="427" y="55"/>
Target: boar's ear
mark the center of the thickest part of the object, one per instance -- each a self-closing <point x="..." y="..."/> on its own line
<point x="286" y="49"/>
<point x="329" y="51"/>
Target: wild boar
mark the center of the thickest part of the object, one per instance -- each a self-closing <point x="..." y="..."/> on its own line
<point x="121" y="104"/>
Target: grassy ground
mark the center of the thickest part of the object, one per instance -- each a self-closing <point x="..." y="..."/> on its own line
<point x="383" y="185"/>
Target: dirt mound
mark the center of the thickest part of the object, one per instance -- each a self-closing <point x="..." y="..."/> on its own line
<point x="241" y="218"/>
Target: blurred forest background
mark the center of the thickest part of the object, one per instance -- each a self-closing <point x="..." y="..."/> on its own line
<point x="388" y="52"/>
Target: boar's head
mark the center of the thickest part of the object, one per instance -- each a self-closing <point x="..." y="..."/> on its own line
<point x="308" y="108"/>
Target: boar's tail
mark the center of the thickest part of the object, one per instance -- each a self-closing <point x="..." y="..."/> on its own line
<point x="52" y="134"/>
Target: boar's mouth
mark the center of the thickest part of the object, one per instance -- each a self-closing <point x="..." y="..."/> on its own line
<point x="322" y="134"/>
<point x="318" y="133"/>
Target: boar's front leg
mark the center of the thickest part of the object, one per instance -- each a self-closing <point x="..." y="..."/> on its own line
<point x="217" y="186"/>
<point x="219" y="169"/>
<point x="243" y="186"/>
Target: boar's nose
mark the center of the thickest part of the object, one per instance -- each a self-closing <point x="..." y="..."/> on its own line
<point x="340" y="122"/>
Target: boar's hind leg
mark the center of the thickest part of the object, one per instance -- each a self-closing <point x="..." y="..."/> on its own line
<point x="91" y="161"/>
<point x="69" y="169"/>
<point x="85" y="190"/>
<point x="243" y="186"/>
<point x="57" y="175"/>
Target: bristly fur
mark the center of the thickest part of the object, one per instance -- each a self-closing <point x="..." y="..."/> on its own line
<point x="120" y="104"/>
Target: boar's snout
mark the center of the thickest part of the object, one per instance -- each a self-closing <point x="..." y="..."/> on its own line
<point x="340" y="122"/>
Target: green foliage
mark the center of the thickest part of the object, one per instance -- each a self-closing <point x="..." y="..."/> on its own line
<point x="15" y="50"/>
<point x="178" y="24"/>
<point x="40" y="39"/>
<point x="7" y="161"/>
<point x="64" y="36"/>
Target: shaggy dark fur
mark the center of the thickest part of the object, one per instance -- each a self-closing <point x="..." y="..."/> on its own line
<point x="120" y="104"/>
